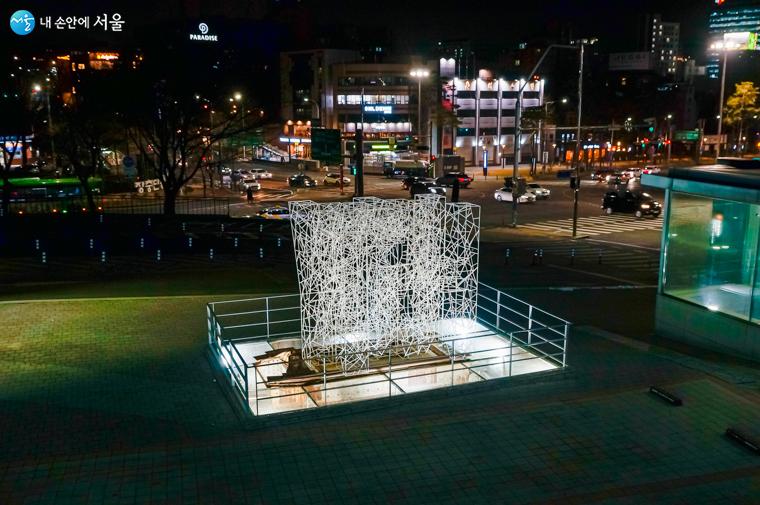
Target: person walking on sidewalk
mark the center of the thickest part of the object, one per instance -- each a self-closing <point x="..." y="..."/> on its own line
<point x="249" y="194"/>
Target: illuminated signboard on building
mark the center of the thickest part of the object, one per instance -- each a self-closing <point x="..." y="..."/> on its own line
<point x="742" y="41"/>
<point x="381" y="109"/>
<point x="204" y="34"/>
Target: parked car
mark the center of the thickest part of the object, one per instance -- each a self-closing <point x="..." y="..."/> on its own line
<point x="332" y="178"/>
<point x="301" y="181"/>
<point x="274" y="213"/>
<point x="636" y="203"/>
<point x="224" y="170"/>
<point x="448" y="179"/>
<point x="424" y="187"/>
<point x="504" y="194"/>
<point x="538" y="190"/>
<point x="249" y="182"/>
<point x="651" y="169"/>
<point x="407" y="183"/>
<point x="260" y="173"/>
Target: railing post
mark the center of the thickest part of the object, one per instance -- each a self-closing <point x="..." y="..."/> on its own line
<point x="530" y="324"/>
<point x="498" y="310"/>
<point x="453" y="354"/>
<point x="267" y="313"/>
<point x="324" y="380"/>
<point x="256" y="387"/>
<point x="510" y="354"/>
<point x="390" y="379"/>
<point x="564" y="346"/>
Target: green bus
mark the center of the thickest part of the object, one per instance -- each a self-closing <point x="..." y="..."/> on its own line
<point x="36" y="189"/>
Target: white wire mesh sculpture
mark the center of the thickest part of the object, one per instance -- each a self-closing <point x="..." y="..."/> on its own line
<point x="376" y="275"/>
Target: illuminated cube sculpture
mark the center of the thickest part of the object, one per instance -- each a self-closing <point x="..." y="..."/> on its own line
<point x="376" y="276"/>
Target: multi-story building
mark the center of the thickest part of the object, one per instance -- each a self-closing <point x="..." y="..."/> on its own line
<point x="485" y="107"/>
<point x="730" y="17"/>
<point x="460" y="51"/>
<point x="306" y="83"/>
<point x="662" y="40"/>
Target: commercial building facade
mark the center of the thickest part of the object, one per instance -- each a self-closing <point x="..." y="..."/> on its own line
<point x="709" y="288"/>
<point x="730" y="17"/>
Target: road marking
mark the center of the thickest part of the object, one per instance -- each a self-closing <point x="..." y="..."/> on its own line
<point x="596" y="274"/>
<point x="597" y="225"/>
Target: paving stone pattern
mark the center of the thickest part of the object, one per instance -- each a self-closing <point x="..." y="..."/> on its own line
<point x="114" y="402"/>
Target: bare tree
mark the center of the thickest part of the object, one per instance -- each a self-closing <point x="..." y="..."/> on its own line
<point x="15" y="125"/>
<point x="174" y="133"/>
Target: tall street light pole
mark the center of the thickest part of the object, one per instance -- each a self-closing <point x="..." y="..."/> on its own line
<point x="577" y="185"/>
<point x="37" y="88"/>
<point x="419" y="74"/>
<point x="669" y="140"/>
<point x="720" y="107"/>
<point x="518" y="127"/>
<point x="315" y="104"/>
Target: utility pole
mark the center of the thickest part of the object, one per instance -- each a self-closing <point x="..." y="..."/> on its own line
<point x="720" y="109"/>
<point x="576" y="189"/>
<point x="359" y="179"/>
<point x="612" y="142"/>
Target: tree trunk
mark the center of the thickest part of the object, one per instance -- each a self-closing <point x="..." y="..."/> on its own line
<point x="6" y="195"/>
<point x="170" y="201"/>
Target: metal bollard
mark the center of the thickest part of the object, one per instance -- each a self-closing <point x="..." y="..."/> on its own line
<point x="211" y="254"/>
<point x="189" y="242"/>
<point x="535" y="257"/>
<point x="599" y="257"/>
<point x="540" y="256"/>
<point x="261" y="252"/>
<point x="92" y="244"/>
<point x="158" y="255"/>
<point x="149" y="222"/>
<point x="100" y="218"/>
<point x="37" y="244"/>
<point x="184" y="226"/>
<point x="572" y="256"/>
<point x="507" y="254"/>
<point x="236" y="242"/>
<point x="43" y="257"/>
<point x="222" y="227"/>
<point x="261" y="228"/>
<point x="142" y="243"/>
<point x="279" y="242"/>
<point x="102" y="256"/>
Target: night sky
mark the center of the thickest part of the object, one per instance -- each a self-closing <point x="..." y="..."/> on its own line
<point x="411" y="26"/>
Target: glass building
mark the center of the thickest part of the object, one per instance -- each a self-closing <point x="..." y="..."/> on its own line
<point x="730" y="17"/>
<point x="709" y="290"/>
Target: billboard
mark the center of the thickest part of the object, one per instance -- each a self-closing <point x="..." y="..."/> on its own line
<point x="641" y="60"/>
<point x="740" y="41"/>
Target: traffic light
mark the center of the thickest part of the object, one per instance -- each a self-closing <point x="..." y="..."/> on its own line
<point x="352" y="169"/>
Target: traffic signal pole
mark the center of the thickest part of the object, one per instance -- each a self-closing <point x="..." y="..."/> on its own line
<point x="576" y="190"/>
<point x="359" y="181"/>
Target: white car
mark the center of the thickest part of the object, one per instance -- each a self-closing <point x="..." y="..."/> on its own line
<point x="274" y="213"/>
<point x="334" y="179"/>
<point x="505" y="195"/>
<point x="651" y="169"/>
<point x="260" y="173"/>
<point x="538" y="190"/>
<point x="249" y="182"/>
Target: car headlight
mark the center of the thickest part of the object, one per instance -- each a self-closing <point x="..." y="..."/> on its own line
<point x="645" y="206"/>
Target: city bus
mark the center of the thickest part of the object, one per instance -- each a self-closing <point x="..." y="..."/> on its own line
<point x="35" y="189"/>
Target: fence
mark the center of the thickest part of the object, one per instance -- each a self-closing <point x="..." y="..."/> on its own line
<point x="509" y="337"/>
<point x="124" y="204"/>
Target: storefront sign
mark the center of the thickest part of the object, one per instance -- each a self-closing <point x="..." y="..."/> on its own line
<point x="203" y="35"/>
<point x="381" y="109"/>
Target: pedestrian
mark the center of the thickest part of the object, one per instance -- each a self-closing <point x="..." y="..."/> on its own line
<point x="455" y="190"/>
<point x="249" y="193"/>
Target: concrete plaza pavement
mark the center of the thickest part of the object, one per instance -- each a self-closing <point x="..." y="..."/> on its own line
<point x="113" y="401"/>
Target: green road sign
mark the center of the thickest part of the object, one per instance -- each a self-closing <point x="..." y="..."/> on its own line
<point x="325" y="146"/>
<point x="254" y="137"/>
<point x="686" y="136"/>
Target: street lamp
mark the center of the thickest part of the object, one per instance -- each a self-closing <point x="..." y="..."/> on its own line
<point x="38" y="88"/>
<point x="667" y="159"/>
<point x="238" y="97"/>
<point x="724" y="46"/>
<point x="419" y="74"/>
<point x="291" y="129"/>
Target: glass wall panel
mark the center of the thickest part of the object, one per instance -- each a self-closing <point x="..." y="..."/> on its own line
<point x="711" y="253"/>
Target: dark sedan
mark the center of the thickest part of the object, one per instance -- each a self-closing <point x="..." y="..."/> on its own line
<point x="423" y="187"/>
<point x="301" y="181"/>
<point x="448" y="179"/>
<point x="638" y="204"/>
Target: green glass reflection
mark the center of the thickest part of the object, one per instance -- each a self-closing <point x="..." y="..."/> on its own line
<point x="711" y="253"/>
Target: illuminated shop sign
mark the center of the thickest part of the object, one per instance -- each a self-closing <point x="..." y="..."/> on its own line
<point x="204" y="35"/>
<point x="381" y="109"/>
